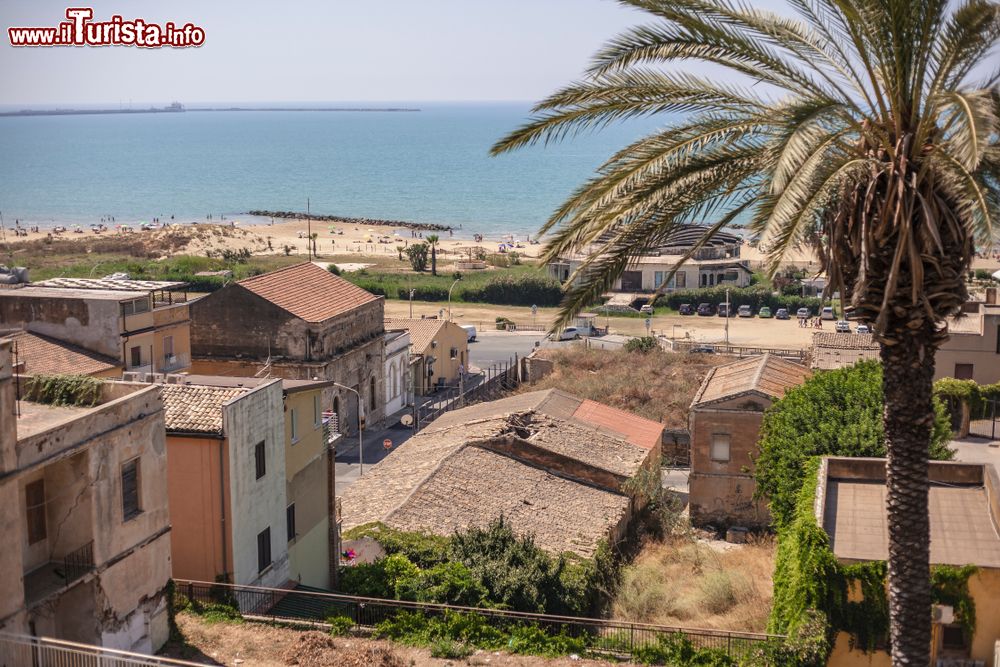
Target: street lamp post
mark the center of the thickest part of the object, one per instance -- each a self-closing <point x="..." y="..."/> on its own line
<point x="412" y="292"/>
<point x="361" y="440"/>
<point x="457" y="280"/>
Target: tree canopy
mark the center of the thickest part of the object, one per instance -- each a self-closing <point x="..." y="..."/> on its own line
<point x="834" y="413"/>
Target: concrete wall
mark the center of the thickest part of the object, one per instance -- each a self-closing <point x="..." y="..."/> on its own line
<point x="198" y="479"/>
<point x="257" y="503"/>
<point x="396" y="374"/>
<point x="11" y="523"/>
<point x="306" y="461"/>
<point x="968" y="348"/>
<point x="92" y="324"/>
<point x="721" y="493"/>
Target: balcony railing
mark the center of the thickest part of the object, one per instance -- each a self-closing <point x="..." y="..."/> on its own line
<point x="24" y="650"/>
<point x="58" y="573"/>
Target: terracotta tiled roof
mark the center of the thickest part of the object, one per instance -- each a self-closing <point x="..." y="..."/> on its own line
<point x="46" y="356"/>
<point x="196" y="409"/>
<point x="422" y="332"/>
<point x="767" y="374"/>
<point x="845" y="341"/>
<point x="448" y="477"/>
<point x="837" y="350"/>
<point x="308" y="292"/>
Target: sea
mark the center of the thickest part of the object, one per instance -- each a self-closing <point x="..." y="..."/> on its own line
<point x="431" y="165"/>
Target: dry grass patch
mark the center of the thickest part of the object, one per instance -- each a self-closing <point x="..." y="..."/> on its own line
<point x="658" y="385"/>
<point x="684" y="582"/>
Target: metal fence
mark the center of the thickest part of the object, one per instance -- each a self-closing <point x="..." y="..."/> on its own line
<point x="984" y="419"/>
<point x="737" y="350"/>
<point x="24" y="651"/>
<point x="619" y="638"/>
<point x="497" y="380"/>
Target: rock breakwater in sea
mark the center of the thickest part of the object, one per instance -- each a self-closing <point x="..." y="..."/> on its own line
<point x="344" y="220"/>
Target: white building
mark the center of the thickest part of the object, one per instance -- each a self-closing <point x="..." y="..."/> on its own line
<point x="398" y="387"/>
<point x="716" y="263"/>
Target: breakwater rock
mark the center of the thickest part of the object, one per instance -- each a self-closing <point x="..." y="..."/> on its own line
<point x="371" y="222"/>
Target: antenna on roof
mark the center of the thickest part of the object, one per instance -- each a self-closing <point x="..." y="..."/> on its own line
<point x="266" y="370"/>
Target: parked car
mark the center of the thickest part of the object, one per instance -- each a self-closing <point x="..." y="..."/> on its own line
<point x="702" y="349"/>
<point x="725" y="310"/>
<point x="706" y="309"/>
<point x="863" y="328"/>
<point x="803" y="313"/>
<point x="781" y="314"/>
<point x="827" y="313"/>
<point x="686" y="309"/>
<point x="570" y="333"/>
<point x="470" y="332"/>
<point x="764" y="312"/>
<point x="745" y="311"/>
<point x="646" y="309"/>
<point x="843" y="326"/>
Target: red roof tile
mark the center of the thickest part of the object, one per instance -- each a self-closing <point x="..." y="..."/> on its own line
<point x="638" y="430"/>
<point x="308" y="292"/>
<point x="41" y="355"/>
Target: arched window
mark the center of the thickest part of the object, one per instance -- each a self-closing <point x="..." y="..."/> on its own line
<point x="371" y="395"/>
<point x="395" y="381"/>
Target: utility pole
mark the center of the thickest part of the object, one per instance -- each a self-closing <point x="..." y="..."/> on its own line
<point x="729" y="308"/>
<point x="412" y="292"/>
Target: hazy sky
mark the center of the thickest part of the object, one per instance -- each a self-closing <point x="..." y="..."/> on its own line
<point x="316" y="50"/>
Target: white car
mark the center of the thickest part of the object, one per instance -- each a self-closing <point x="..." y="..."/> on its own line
<point x="843" y="326"/>
<point x="570" y="333"/>
<point x="863" y="328"/>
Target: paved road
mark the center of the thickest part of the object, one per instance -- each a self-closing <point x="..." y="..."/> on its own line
<point x="492" y="347"/>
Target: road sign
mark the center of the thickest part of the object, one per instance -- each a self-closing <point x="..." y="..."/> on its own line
<point x="387" y="444"/>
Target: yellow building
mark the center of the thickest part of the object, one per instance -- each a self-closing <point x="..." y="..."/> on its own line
<point x="443" y="347"/>
<point x="850" y="507"/>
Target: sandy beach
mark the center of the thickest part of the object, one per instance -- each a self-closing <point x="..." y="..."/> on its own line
<point x="261" y="236"/>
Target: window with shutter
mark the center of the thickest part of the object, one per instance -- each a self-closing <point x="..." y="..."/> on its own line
<point x="34" y="496"/>
<point x="263" y="550"/>
<point x="131" y="506"/>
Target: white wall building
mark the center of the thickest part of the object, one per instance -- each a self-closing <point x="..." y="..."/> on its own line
<point x="397" y="370"/>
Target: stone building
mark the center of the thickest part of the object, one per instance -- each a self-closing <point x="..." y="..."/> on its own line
<point x="839" y="350"/>
<point x="227" y="482"/>
<point x="84" y="516"/>
<point x="552" y="464"/>
<point x="724" y="422"/>
<point x="301" y="323"/>
<point x="144" y="324"/>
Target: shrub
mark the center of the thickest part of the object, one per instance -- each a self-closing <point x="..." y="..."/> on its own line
<point x="340" y="626"/>
<point x="834" y="413"/>
<point x="755" y="297"/>
<point x="367" y="580"/>
<point x="76" y="390"/>
<point x="678" y="650"/>
<point x="332" y="268"/>
<point x="516" y="290"/>
<point x="643" y="344"/>
<point x="449" y="583"/>
<point x="428" y="293"/>
<point x="450" y="649"/>
<point x="417" y="254"/>
<point x="423" y="550"/>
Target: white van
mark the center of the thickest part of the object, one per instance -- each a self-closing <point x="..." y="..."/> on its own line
<point x="827" y="313"/>
<point x="470" y="331"/>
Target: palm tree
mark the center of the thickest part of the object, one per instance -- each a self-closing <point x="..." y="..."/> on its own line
<point x="864" y="131"/>
<point x="432" y="240"/>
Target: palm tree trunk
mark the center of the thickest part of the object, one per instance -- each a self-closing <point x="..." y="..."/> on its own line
<point x="434" y="261"/>
<point x="908" y="418"/>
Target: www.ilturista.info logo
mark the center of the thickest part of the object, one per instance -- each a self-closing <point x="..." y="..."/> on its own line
<point x="80" y="30"/>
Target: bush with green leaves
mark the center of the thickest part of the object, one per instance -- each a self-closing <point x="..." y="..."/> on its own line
<point x="422" y="549"/>
<point x="678" y="650"/>
<point x="340" y="626"/>
<point x="642" y="344"/>
<point x="524" y="289"/>
<point x="834" y="413"/>
<point x="754" y="296"/>
<point x="417" y="254"/>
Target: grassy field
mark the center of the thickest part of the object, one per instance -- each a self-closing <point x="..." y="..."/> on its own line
<point x="657" y="385"/>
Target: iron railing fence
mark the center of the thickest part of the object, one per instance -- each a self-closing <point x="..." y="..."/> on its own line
<point x="22" y="650"/>
<point x="620" y="638"/>
<point x="79" y="562"/>
<point x="498" y="380"/>
<point x="984" y="419"/>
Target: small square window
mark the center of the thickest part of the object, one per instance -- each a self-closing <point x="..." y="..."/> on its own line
<point x="720" y="447"/>
<point x="964" y="371"/>
<point x="952" y="637"/>
<point x="131" y="505"/>
<point x="263" y="550"/>
<point x="259" y="459"/>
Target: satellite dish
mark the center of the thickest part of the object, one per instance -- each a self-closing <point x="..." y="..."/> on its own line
<point x="406" y="420"/>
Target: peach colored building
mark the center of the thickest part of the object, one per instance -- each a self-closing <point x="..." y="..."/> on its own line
<point x="443" y="348"/>
<point x="724" y="422"/>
